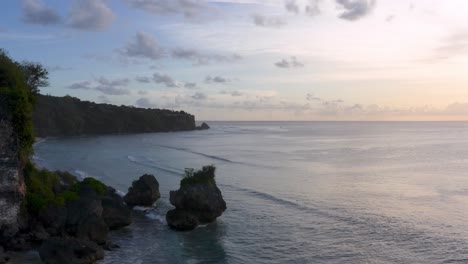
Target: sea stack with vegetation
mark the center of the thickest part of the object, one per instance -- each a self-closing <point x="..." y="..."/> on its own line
<point x="198" y="200"/>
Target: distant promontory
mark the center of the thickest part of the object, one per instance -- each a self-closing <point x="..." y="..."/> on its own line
<point x="69" y="116"/>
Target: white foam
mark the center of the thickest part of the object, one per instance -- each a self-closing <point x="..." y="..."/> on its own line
<point x="132" y="158"/>
<point x="157" y="217"/>
<point x="120" y="193"/>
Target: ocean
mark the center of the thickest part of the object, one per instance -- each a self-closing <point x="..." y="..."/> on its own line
<point x="296" y="192"/>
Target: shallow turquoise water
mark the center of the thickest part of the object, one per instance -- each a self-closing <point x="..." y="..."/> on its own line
<point x="296" y="192"/>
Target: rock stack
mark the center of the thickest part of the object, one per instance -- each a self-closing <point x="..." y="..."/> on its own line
<point x="143" y="192"/>
<point x="198" y="200"/>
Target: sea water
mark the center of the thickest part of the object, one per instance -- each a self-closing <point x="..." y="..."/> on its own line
<point x="296" y="192"/>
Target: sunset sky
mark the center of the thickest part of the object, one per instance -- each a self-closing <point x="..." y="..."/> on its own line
<point x="252" y="59"/>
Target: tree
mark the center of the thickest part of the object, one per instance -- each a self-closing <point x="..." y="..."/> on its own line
<point x="35" y="76"/>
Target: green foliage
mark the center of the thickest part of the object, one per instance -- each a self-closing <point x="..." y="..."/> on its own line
<point x="94" y="184"/>
<point x="46" y="188"/>
<point x="19" y="98"/>
<point x="205" y="175"/>
<point x="35" y="76"/>
<point x="41" y="186"/>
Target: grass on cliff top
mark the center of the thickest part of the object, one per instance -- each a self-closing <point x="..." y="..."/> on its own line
<point x="205" y="175"/>
<point x="45" y="188"/>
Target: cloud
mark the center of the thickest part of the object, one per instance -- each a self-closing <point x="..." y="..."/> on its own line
<point x="145" y="103"/>
<point x="233" y="93"/>
<point x="291" y="6"/>
<point x="271" y="22"/>
<point x="142" y="79"/>
<point x="292" y="63"/>
<point x="190" y="85"/>
<point x="36" y="12"/>
<point x="313" y="9"/>
<point x="104" y="85"/>
<point x="93" y="15"/>
<point x="58" y="68"/>
<point x="112" y="87"/>
<point x="117" y="82"/>
<point x="217" y="79"/>
<point x="202" y="58"/>
<point x="355" y="9"/>
<point x="143" y="46"/>
<point x="164" y="79"/>
<point x="142" y="92"/>
<point x="199" y="96"/>
<point x="85" y="85"/>
<point x="312" y="97"/>
<point x="454" y="45"/>
<point x="187" y="8"/>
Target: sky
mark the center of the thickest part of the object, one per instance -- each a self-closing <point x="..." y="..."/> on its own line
<point x="252" y="59"/>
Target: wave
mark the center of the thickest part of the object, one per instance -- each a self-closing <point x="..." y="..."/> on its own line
<point x="218" y="158"/>
<point x="156" y="216"/>
<point x="154" y="166"/>
<point x="374" y="226"/>
<point x="199" y="153"/>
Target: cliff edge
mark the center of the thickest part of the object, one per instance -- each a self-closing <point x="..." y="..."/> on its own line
<point x="12" y="187"/>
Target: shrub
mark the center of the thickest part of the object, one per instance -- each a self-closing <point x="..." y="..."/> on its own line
<point x="40" y="186"/>
<point x="94" y="184"/>
<point x="44" y="188"/>
<point x="205" y="175"/>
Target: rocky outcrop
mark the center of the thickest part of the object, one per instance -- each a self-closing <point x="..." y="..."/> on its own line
<point x="198" y="201"/>
<point x="203" y="126"/>
<point x="84" y="218"/>
<point x="12" y="188"/>
<point x="70" y="251"/>
<point x="181" y="220"/>
<point x="143" y="192"/>
<point x="115" y="213"/>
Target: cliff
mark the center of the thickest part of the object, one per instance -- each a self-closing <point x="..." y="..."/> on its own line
<point x="12" y="188"/>
<point x="68" y="116"/>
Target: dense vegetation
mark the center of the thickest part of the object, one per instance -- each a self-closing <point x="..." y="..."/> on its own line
<point x="205" y="175"/>
<point x="69" y="116"/>
<point x="45" y="188"/>
<point x="16" y="102"/>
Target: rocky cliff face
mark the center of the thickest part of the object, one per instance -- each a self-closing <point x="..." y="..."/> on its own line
<point x="12" y="187"/>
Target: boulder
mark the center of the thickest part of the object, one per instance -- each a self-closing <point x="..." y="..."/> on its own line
<point x="143" y="192"/>
<point x="198" y="197"/>
<point x="84" y="218"/>
<point x="203" y="126"/>
<point x="181" y="220"/>
<point x="115" y="213"/>
<point x="53" y="219"/>
<point x="70" y="251"/>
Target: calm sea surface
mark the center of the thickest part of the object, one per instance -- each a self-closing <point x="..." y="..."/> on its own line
<point x="296" y="192"/>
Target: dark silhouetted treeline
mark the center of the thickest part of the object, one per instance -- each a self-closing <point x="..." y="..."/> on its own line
<point x="69" y="116"/>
